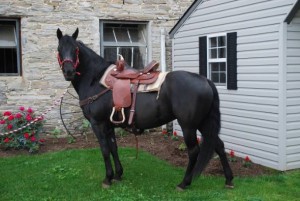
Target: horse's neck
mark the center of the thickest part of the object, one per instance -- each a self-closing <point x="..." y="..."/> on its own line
<point x="87" y="83"/>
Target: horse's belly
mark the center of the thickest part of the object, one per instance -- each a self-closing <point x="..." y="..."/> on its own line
<point x="152" y="112"/>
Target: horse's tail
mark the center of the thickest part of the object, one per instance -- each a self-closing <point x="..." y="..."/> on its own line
<point x="209" y="129"/>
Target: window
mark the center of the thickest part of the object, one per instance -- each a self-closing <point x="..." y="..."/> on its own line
<point x="9" y="47"/>
<point x="218" y="59"/>
<point x="127" y="39"/>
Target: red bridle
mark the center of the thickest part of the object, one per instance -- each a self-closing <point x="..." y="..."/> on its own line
<point x="75" y="64"/>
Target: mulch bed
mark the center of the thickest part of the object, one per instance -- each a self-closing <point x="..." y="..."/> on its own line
<point x="164" y="148"/>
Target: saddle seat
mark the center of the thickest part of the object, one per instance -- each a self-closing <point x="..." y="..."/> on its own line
<point x="124" y="84"/>
<point x="147" y="76"/>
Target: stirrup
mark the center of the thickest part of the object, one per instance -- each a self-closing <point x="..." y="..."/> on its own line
<point x="112" y="114"/>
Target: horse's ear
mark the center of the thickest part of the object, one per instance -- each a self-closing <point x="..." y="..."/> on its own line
<point x="59" y="34"/>
<point x="75" y="34"/>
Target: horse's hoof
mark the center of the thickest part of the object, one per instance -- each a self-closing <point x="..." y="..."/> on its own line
<point x="117" y="179"/>
<point x="180" y="189"/>
<point x="105" y="186"/>
<point x="229" y="186"/>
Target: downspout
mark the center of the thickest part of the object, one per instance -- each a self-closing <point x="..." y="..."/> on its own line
<point x="282" y="131"/>
<point x="163" y="50"/>
<point x="163" y="58"/>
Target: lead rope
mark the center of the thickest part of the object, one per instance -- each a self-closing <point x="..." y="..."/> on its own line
<point x="41" y="117"/>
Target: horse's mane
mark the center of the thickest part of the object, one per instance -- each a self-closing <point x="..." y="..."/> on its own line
<point x="101" y="63"/>
<point x="88" y="49"/>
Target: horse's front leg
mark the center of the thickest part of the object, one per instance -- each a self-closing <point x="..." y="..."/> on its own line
<point x="114" y="152"/>
<point x="102" y="132"/>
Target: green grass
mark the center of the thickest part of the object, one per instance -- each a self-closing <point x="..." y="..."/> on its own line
<point x="77" y="175"/>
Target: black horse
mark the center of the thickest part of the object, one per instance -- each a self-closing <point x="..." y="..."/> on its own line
<point x="191" y="99"/>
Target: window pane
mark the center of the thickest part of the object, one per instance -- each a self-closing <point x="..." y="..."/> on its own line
<point x="126" y="52"/>
<point x="108" y="35"/>
<point x="222" y="66"/>
<point x="139" y="56"/>
<point x="215" y="77"/>
<point x="214" y="67"/>
<point x="110" y="54"/>
<point x="137" y="36"/>
<point x="221" y="41"/>
<point x="222" y="53"/>
<point x="121" y="35"/>
<point x="213" y="42"/>
<point x="134" y="35"/>
<point x="8" y="60"/>
<point x="7" y="36"/>
<point x="213" y="54"/>
<point x="223" y="77"/>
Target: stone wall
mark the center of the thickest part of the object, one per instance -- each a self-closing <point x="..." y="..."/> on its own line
<point x="41" y="81"/>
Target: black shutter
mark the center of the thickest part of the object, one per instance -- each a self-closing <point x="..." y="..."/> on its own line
<point x="203" y="56"/>
<point x="231" y="61"/>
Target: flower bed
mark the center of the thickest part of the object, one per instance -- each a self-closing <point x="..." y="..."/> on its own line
<point x="26" y="138"/>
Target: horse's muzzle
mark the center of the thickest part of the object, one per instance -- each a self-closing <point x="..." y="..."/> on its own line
<point x="69" y="72"/>
<point x="69" y="76"/>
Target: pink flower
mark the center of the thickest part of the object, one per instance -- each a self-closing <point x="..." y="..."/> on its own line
<point x="2" y="121"/>
<point x="231" y="153"/>
<point x="7" y="113"/>
<point x="247" y="159"/>
<point x="32" y="139"/>
<point x="175" y="133"/>
<point x="42" y="140"/>
<point x="26" y="135"/>
<point x="11" y="117"/>
<point x="18" y="115"/>
<point x="164" y="132"/>
<point x="22" y="108"/>
<point x="9" y="127"/>
<point x="29" y="110"/>
<point x="6" y="140"/>
<point x="28" y="117"/>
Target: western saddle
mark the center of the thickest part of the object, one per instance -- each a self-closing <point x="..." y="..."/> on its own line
<point x="124" y="84"/>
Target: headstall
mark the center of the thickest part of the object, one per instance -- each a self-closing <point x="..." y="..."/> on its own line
<point x="75" y="64"/>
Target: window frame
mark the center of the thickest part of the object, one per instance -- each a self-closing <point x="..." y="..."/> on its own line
<point x="131" y="45"/>
<point x="217" y="60"/>
<point x="18" y="46"/>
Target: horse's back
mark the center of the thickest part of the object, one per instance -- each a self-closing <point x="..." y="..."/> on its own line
<point x="183" y="95"/>
<point x="187" y="86"/>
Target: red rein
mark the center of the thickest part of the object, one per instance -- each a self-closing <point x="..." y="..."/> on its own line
<point x="75" y="64"/>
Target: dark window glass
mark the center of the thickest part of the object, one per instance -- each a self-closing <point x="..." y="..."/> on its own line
<point x="9" y="57"/>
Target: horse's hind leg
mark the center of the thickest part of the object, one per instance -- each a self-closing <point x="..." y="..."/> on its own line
<point x="190" y="140"/>
<point x="114" y="152"/>
<point x="226" y="168"/>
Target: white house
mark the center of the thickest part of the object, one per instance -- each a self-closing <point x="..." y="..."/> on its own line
<point x="251" y="50"/>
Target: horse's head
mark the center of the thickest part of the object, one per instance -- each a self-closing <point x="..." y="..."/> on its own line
<point x="68" y="54"/>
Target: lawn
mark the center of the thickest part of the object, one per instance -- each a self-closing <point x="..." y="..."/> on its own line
<point x="77" y="175"/>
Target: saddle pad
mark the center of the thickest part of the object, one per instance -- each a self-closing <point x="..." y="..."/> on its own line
<point x="142" y="87"/>
<point x="154" y="86"/>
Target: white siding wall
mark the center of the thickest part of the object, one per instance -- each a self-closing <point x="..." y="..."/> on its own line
<point x="293" y="94"/>
<point x="250" y="115"/>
